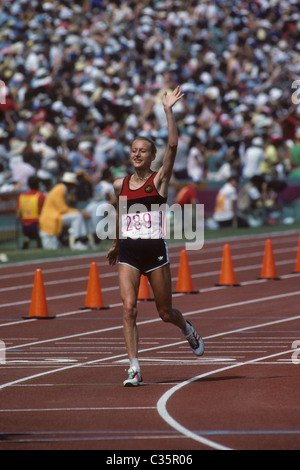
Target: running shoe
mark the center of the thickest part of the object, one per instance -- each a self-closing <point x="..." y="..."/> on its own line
<point x="134" y="378"/>
<point x="195" y="341"/>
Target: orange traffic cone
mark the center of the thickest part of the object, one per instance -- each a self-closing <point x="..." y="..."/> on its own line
<point x="38" y="307"/>
<point x="268" y="270"/>
<point x="184" y="280"/>
<point x="227" y="276"/>
<point x="144" y="289"/>
<point x="297" y="266"/>
<point x="94" y="300"/>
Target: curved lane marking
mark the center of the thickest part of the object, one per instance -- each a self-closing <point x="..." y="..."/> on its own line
<point x="162" y="403"/>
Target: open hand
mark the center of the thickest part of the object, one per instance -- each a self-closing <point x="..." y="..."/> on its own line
<point x="170" y="100"/>
<point x="113" y="255"/>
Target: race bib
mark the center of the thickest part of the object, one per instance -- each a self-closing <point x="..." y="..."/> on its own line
<point x="146" y="225"/>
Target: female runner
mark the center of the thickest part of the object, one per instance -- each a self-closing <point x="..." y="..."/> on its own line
<point x="141" y="249"/>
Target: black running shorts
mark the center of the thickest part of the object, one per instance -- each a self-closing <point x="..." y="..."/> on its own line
<point x="144" y="255"/>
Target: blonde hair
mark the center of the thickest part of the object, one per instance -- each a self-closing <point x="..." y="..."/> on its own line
<point x="150" y="141"/>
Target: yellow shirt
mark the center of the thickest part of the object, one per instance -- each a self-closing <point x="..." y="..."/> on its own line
<point x="51" y="219"/>
<point x="268" y="165"/>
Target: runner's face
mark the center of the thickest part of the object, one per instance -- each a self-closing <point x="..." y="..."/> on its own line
<point x="141" y="155"/>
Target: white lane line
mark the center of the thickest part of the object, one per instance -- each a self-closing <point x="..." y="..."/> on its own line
<point x="107" y="408"/>
<point x="156" y="320"/>
<point x="54" y="283"/>
<point x="114" y="274"/>
<point x="120" y="356"/>
<point x="239" y="242"/>
<point x="109" y="289"/>
<point x="61" y="259"/>
<point x="162" y="403"/>
<point x="192" y="262"/>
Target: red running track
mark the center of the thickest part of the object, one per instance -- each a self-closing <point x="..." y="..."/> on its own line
<point x="61" y="383"/>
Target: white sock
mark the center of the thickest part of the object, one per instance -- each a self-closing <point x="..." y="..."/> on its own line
<point x="187" y="330"/>
<point x="135" y="363"/>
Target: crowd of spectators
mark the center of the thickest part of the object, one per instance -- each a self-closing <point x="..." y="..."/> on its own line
<point x="82" y="78"/>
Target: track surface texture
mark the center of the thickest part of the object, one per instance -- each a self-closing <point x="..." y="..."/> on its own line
<point x="61" y="380"/>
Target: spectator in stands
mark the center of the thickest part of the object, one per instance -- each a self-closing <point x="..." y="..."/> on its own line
<point x="195" y="160"/>
<point x="258" y="202"/>
<point x="103" y="199"/>
<point x="3" y="175"/>
<point x="78" y="156"/>
<point x="57" y="214"/>
<point x="269" y="167"/>
<point x="251" y="201"/>
<point x="63" y="66"/>
<point x="187" y="195"/>
<point x="253" y="158"/>
<point x="180" y="166"/>
<point x="214" y="157"/>
<point x="103" y="187"/>
<point x="230" y="165"/>
<point x="21" y="171"/>
<point x="295" y="156"/>
<point x="226" y="204"/>
<point x="187" y="199"/>
<point x="29" y="209"/>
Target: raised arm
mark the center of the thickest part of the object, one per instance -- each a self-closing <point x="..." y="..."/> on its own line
<point x="164" y="175"/>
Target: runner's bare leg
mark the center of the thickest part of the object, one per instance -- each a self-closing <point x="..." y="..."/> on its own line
<point x="161" y="284"/>
<point x="129" y="279"/>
